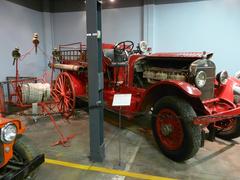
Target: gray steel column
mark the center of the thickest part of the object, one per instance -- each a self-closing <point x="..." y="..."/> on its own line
<point x="95" y="80"/>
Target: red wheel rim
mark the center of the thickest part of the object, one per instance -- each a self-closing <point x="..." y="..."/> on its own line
<point x="64" y="94"/>
<point x="169" y="129"/>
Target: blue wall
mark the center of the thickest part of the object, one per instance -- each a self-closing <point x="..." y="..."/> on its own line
<point x="17" y="25"/>
<point x="117" y="24"/>
<point x="212" y="25"/>
<point x="69" y="27"/>
<point x="122" y="24"/>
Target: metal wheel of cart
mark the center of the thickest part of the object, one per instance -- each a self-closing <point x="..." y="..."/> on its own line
<point x="64" y="95"/>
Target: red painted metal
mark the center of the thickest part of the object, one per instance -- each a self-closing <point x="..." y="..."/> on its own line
<point x="79" y="83"/>
<point x="225" y="91"/>
<point x="107" y="46"/>
<point x="49" y="108"/>
<point x="222" y="107"/>
<point x="120" y="80"/>
<point x="212" y="118"/>
<point x="169" y="129"/>
<point x="66" y="106"/>
<point x="64" y="94"/>
<point x="2" y="102"/>
<point x="218" y="109"/>
<point x="185" y="87"/>
<point x="15" y="83"/>
<point x="195" y="55"/>
<point x="7" y="155"/>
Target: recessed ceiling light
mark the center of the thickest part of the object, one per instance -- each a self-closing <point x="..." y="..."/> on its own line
<point x="112" y="0"/>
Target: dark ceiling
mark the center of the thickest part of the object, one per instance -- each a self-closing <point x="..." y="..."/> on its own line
<point x="71" y="5"/>
<point x="79" y="5"/>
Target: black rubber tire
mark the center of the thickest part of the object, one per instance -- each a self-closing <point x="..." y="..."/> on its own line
<point x="191" y="135"/>
<point x="231" y="133"/>
<point x="25" y="150"/>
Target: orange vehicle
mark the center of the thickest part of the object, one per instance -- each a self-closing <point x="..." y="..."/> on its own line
<point x="18" y="160"/>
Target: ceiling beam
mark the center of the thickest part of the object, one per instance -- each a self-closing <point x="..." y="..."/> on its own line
<point x="80" y="5"/>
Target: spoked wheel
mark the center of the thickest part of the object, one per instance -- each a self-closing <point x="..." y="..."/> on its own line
<point x="63" y="93"/>
<point x="169" y="129"/>
<point x="228" y="129"/>
<point x="176" y="135"/>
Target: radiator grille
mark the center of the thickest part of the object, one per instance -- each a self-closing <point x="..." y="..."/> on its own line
<point x="208" y="89"/>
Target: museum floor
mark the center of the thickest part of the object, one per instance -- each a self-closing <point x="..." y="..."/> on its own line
<point x="140" y="157"/>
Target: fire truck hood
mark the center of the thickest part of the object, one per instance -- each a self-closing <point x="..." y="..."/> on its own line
<point x="185" y="55"/>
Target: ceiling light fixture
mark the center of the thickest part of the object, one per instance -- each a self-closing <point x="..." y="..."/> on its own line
<point x="112" y="0"/>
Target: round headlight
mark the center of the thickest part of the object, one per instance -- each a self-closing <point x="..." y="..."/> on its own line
<point x="8" y="133"/>
<point x="222" y="77"/>
<point x="200" y="79"/>
<point x="143" y="46"/>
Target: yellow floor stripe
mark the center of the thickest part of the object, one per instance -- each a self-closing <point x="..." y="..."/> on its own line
<point x="105" y="170"/>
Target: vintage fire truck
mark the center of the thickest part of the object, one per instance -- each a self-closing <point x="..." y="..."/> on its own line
<point x="18" y="160"/>
<point x="181" y="91"/>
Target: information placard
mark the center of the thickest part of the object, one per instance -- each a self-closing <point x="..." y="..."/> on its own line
<point x="122" y="100"/>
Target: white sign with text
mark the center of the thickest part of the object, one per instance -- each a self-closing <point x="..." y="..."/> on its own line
<point x="122" y="100"/>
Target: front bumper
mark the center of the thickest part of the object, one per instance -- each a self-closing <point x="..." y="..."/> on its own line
<point x="223" y="109"/>
<point x="25" y="169"/>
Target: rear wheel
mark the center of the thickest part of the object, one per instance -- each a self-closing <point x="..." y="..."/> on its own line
<point x="228" y="129"/>
<point x="64" y="94"/>
<point x="176" y="135"/>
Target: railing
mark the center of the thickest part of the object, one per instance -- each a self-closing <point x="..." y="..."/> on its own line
<point x="73" y="52"/>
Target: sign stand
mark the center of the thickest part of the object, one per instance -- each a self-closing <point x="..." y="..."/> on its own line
<point x="119" y="142"/>
<point x="120" y="100"/>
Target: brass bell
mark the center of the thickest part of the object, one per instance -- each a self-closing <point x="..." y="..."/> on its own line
<point x="56" y="54"/>
<point x="35" y="41"/>
<point x="16" y="55"/>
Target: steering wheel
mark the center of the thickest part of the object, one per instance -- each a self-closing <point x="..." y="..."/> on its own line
<point x="124" y="46"/>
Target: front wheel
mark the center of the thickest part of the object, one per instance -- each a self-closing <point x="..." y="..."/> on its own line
<point x="176" y="135"/>
<point x="23" y="152"/>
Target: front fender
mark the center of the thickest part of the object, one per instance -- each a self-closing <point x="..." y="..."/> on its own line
<point x="171" y="88"/>
<point x="182" y="86"/>
<point x="226" y="91"/>
<point x="20" y="130"/>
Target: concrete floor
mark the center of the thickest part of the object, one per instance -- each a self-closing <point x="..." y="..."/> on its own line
<point x="139" y="153"/>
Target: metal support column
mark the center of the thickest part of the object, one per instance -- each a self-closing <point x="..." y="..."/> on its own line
<point x="95" y="79"/>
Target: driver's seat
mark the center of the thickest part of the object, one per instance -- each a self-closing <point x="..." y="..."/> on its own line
<point x="116" y="58"/>
<point x="109" y="53"/>
<point x="120" y="57"/>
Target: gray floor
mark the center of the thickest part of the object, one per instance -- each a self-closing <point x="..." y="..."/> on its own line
<point x="217" y="160"/>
